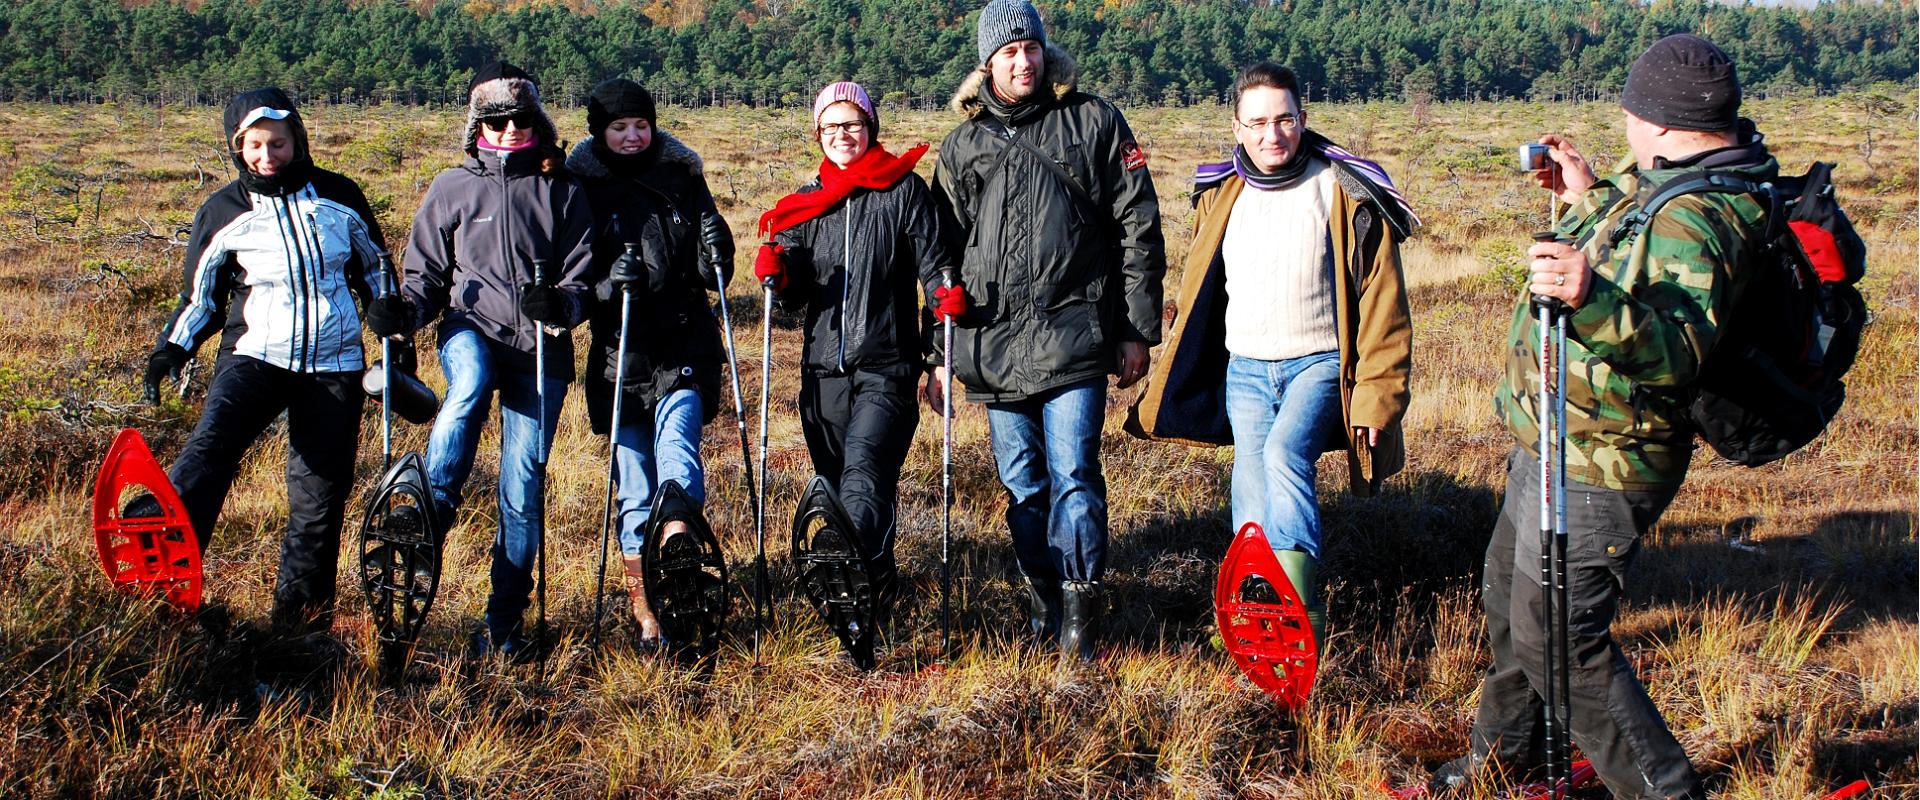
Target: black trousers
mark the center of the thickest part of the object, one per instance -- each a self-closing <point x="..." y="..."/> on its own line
<point x="858" y="428"/>
<point x="1613" y="722"/>
<point x="323" y="435"/>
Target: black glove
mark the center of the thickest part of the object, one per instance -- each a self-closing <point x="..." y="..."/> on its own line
<point x="713" y="235"/>
<point x="544" y="304"/>
<point x="165" y="362"/>
<point x="389" y="315"/>
<point x="627" y="269"/>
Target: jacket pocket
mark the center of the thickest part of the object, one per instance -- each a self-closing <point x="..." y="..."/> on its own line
<point x="1068" y="338"/>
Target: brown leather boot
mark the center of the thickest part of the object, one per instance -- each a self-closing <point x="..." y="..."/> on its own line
<point x="649" y="628"/>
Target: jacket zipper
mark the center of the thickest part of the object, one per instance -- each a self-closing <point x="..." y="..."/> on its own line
<point x="504" y="220"/>
<point x="299" y="353"/>
<point x="320" y="265"/>
<point x="846" y="276"/>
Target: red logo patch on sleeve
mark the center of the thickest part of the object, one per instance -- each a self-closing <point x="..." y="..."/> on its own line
<point x="1132" y="157"/>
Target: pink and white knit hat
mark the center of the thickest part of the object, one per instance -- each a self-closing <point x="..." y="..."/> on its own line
<point x="844" y="92"/>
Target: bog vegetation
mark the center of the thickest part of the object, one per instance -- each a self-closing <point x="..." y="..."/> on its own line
<point x="1786" y="664"/>
<point x="777" y="52"/>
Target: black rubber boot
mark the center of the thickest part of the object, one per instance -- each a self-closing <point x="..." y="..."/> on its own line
<point x="1043" y="599"/>
<point x="1081" y="608"/>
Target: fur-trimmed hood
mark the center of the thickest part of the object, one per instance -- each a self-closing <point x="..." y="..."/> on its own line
<point x="1062" y="71"/>
<point x="583" y="161"/>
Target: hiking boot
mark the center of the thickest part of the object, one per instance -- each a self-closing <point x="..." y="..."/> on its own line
<point x="646" y="628"/>
<point x="142" y="505"/>
<point x="1257" y="589"/>
<point x="511" y="643"/>
<point x="1043" y="598"/>
<point x="1082" y="607"/>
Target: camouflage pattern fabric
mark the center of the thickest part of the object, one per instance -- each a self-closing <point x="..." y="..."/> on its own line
<point x="1653" y="313"/>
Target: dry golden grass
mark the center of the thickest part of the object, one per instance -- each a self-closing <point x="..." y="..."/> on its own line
<point x="1784" y="671"/>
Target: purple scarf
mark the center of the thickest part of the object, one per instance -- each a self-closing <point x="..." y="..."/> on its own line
<point x="1398" y="211"/>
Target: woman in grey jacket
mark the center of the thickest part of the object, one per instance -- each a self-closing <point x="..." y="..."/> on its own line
<point x="853" y="247"/>
<point x="485" y="234"/>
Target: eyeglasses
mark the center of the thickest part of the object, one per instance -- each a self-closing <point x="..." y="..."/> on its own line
<point x="1285" y="122"/>
<point x="853" y="128"/>
<point x="522" y="120"/>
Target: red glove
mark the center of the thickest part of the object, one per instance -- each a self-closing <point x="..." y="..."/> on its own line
<point x="770" y="266"/>
<point x="949" y="302"/>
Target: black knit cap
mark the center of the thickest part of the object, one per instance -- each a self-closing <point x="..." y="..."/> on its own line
<point x="618" y="98"/>
<point x="1683" y="82"/>
<point x="496" y="71"/>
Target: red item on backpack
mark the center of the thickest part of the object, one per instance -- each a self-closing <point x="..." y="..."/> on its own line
<point x="950" y="302"/>
<point x="1823" y="251"/>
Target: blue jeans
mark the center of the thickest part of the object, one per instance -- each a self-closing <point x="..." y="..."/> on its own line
<point x="1284" y="415"/>
<point x="650" y="451"/>
<point x="1048" y="450"/>
<point x="475" y="368"/>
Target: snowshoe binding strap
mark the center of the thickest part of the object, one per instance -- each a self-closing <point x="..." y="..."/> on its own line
<point x="833" y="570"/>
<point x="686" y="577"/>
<point x="1262" y="621"/>
<point x="400" y="552"/>
<point x="147" y="547"/>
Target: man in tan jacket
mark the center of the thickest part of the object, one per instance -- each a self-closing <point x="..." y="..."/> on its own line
<point x="1292" y="336"/>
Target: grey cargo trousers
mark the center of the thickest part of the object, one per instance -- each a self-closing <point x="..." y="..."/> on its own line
<point x="1614" y="722"/>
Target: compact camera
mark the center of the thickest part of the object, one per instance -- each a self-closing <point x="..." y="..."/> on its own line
<point x="1533" y="157"/>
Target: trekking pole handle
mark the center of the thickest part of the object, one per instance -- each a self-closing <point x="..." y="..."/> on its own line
<point x="1553" y="305"/>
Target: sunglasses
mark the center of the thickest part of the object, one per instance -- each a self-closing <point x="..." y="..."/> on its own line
<point x="522" y="120"/>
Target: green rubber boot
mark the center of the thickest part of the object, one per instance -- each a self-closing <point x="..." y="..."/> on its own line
<point x="1300" y="569"/>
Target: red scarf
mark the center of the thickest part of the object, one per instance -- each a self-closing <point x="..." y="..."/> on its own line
<point x="875" y="169"/>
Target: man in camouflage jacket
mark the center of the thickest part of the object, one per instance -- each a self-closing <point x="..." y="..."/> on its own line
<point x="1642" y="317"/>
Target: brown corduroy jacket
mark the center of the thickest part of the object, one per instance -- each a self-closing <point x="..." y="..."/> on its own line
<point x="1185" y="397"/>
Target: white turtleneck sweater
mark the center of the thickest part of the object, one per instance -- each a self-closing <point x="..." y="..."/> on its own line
<point x="1279" y="265"/>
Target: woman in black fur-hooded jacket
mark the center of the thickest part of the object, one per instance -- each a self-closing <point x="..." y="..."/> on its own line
<point x="650" y="197"/>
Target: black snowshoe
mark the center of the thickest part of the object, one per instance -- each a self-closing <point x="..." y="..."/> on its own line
<point x="834" y="571"/>
<point x="400" y="549"/>
<point x="686" y="577"/>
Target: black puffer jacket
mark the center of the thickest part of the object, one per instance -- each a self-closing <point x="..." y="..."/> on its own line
<point x="673" y="342"/>
<point x="1055" y="280"/>
<point x="857" y="271"/>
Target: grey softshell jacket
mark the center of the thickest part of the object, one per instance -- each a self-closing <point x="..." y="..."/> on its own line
<point x="473" y="247"/>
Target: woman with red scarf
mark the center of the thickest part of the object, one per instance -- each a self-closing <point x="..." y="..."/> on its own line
<point x="853" y="247"/>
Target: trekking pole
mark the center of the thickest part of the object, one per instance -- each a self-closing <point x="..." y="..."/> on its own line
<point x="610" y="513"/>
<point x="746" y="456"/>
<point x="946" y="479"/>
<point x="388" y="285"/>
<point x="763" y="588"/>
<point x="540" y="461"/>
<point x="1551" y="331"/>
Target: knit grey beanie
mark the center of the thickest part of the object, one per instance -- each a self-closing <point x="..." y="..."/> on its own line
<point x="1004" y="21"/>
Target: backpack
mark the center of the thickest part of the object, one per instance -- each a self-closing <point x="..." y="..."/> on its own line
<point x="1773" y="381"/>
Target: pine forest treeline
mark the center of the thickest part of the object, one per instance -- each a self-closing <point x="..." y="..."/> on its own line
<point x="915" y="51"/>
